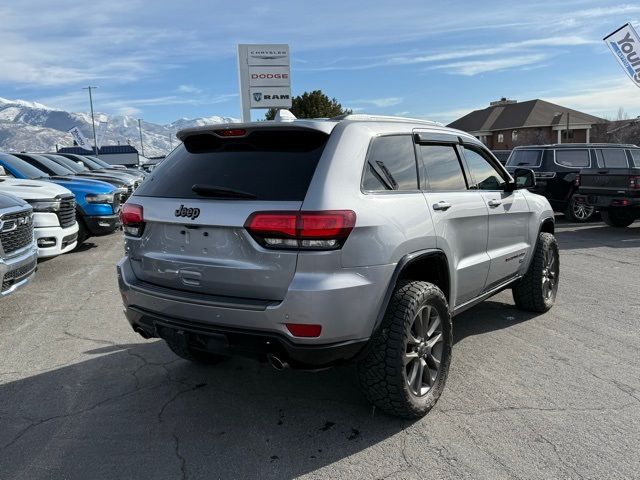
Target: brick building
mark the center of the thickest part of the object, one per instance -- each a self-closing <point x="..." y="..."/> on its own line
<point x="505" y="124"/>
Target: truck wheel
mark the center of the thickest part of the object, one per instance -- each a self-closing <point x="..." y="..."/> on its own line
<point x="407" y="362"/>
<point x="193" y="355"/>
<point x="617" y="217"/>
<point x="536" y="291"/>
<point x="579" y="212"/>
<point x="83" y="233"/>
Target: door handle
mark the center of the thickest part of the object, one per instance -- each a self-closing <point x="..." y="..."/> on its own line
<point x="442" y="206"/>
<point x="494" y="202"/>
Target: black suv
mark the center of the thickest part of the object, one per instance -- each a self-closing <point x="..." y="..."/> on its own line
<point x="557" y="169"/>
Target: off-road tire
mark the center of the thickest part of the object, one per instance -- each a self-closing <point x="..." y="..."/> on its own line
<point x="382" y="374"/>
<point x="83" y="232"/>
<point x="529" y="292"/>
<point x="195" y="356"/>
<point x="617" y="218"/>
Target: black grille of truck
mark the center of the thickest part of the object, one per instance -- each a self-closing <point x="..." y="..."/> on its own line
<point x="16" y="275"/>
<point x="15" y="236"/>
<point x="67" y="212"/>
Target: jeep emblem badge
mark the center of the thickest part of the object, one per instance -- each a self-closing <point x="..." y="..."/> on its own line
<point x="191" y="213"/>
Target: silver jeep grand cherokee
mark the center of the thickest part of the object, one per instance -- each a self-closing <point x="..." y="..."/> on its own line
<point x="315" y="242"/>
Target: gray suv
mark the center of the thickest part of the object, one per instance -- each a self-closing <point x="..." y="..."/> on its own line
<point x="316" y="242"/>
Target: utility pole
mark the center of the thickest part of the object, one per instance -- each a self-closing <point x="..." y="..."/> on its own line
<point x="93" y="122"/>
<point x="140" y="128"/>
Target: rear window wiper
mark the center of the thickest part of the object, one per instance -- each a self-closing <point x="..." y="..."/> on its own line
<point x="221" y="192"/>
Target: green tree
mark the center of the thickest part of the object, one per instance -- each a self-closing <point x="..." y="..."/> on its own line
<point x="312" y="105"/>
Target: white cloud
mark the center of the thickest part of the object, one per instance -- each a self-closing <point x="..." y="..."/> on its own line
<point x="380" y="102"/>
<point x="189" y="89"/>
<point x="483" y="66"/>
<point x="128" y="111"/>
<point x="603" y="98"/>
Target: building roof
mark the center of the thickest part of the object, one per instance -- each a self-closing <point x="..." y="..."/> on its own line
<point x="106" y="150"/>
<point x="532" y="113"/>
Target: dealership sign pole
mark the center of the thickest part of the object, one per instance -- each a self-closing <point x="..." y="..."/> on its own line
<point x="264" y="75"/>
<point x="625" y="45"/>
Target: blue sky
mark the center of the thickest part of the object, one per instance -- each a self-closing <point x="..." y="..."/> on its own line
<point x="163" y="60"/>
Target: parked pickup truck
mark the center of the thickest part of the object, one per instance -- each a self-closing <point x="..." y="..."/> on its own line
<point x="18" y="253"/>
<point x="614" y="186"/>
<point x="97" y="202"/>
<point x="54" y="213"/>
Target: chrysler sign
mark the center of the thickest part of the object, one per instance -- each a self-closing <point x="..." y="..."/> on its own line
<point x="264" y="76"/>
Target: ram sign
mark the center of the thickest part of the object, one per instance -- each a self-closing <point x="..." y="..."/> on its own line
<point x="624" y="43"/>
<point x="265" y="77"/>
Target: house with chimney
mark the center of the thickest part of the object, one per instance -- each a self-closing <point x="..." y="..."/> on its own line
<point x="505" y="124"/>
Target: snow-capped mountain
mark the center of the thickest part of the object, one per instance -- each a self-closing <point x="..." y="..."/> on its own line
<point x="31" y="126"/>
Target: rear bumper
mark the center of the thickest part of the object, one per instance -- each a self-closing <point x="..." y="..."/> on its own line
<point x="606" y="201"/>
<point x="52" y="241"/>
<point x="346" y="304"/>
<point x="16" y="271"/>
<point x="102" y="224"/>
<point x="234" y="341"/>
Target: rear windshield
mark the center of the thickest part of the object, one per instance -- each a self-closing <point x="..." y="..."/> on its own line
<point x="525" y="158"/>
<point x="270" y="164"/>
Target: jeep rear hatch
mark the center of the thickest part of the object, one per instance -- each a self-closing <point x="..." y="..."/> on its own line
<point x="195" y="205"/>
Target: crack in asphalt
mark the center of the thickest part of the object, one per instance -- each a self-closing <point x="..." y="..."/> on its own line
<point x="537" y="409"/>
<point x="557" y="453"/>
<point x="183" y="461"/>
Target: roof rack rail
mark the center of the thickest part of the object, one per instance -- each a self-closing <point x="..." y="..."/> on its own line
<point x="364" y="116"/>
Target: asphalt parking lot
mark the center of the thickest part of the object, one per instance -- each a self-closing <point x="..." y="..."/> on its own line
<point x="548" y="396"/>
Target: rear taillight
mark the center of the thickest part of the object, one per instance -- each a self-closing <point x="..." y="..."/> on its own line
<point x="634" y="182"/>
<point x="132" y="219"/>
<point x="324" y="230"/>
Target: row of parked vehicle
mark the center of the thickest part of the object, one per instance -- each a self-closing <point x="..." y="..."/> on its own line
<point x="581" y="179"/>
<point x="50" y="203"/>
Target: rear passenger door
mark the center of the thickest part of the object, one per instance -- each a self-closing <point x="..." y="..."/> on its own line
<point x="460" y="215"/>
<point x="508" y="240"/>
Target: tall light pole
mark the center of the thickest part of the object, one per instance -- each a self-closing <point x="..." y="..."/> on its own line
<point x="140" y="128"/>
<point x="93" y="122"/>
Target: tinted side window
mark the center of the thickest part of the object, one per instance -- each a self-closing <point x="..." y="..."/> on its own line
<point x="442" y="168"/>
<point x="612" y="158"/>
<point x="635" y="155"/>
<point x="485" y="176"/>
<point x="391" y="164"/>
<point x="573" y="158"/>
<point x="525" y="158"/>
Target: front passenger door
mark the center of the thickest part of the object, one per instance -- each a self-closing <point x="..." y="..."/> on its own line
<point x="459" y="215"/>
<point x="508" y="241"/>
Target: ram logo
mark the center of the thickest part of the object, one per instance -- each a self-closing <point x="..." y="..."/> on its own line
<point x="257" y="96"/>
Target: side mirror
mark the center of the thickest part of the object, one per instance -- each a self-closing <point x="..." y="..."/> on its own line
<point x="522" y="178"/>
